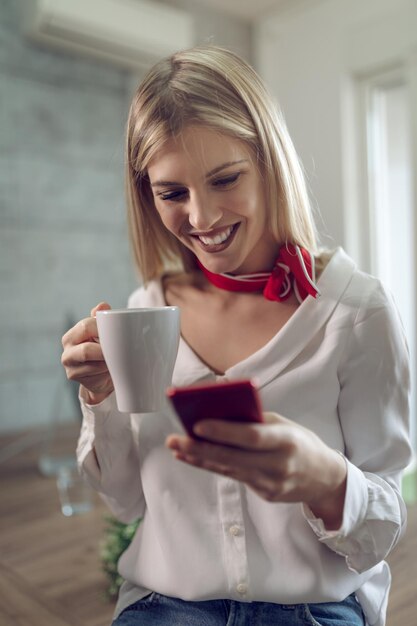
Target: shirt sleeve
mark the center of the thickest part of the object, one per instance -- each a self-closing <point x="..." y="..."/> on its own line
<point x="107" y="455"/>
<point x="107" y="450"/>
<point x="374" y="412"/>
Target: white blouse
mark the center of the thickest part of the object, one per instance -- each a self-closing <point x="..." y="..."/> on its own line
<point x="339" y="366"/>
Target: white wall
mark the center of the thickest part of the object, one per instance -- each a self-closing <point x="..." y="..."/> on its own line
<point x="315" y="55"/>
<point x="220" y="29"/>
<point x="309" y="53"/>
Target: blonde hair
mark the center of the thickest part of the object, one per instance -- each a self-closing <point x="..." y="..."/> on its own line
<point x="214" y="88"/>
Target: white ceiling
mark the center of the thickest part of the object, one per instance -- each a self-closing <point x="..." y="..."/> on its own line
<point x="245" y="9"/>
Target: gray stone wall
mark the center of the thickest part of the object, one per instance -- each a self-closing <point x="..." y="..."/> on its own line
<point x="63" y="244"/>
<point x="63" y="241"/>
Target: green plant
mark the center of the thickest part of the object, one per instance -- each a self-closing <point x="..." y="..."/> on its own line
<point x="117" y="537"/>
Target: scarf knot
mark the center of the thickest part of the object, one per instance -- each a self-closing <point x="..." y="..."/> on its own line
<point x="294" y="269"/>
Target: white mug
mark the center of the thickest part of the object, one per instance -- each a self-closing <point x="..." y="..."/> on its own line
<point x="140" y="348"/>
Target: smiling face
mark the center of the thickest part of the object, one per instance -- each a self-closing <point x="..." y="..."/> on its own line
<point x="208" y="192"/>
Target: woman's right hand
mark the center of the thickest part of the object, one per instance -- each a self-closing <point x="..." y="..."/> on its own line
<point x="83" y="358"/>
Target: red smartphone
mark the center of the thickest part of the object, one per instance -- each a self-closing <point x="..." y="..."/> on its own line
<point x="236" y="401"/>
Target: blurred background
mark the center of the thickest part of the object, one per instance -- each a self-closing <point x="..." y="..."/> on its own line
<point x="67" y="73"/>
<point x="343" y="71"/>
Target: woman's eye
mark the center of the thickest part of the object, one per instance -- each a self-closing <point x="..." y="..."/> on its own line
<point x="227" y="180"/>
<point x="176" y="195"/>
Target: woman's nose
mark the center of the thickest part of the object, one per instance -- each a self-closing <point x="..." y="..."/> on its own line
<point x="204" y="213"/>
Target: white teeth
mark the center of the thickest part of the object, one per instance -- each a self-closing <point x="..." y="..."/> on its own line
<point x="210" y="241"/>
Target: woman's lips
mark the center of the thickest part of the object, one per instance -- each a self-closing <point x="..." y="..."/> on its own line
<point x="217" y="241"/>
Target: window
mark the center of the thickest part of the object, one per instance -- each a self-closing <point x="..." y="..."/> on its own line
<point x="392" y="236"/>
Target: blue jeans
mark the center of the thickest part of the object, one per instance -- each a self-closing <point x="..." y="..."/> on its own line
<point x="159" y="610"/>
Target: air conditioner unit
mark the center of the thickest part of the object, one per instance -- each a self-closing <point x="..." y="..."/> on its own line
<point x="130" y="33"/>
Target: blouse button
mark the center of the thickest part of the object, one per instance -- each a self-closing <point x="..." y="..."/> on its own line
<point x="242" y="588"/>
<point x="234" y="530"/>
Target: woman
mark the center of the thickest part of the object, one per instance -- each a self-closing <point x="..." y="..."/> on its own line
<point x="285" y="522"/>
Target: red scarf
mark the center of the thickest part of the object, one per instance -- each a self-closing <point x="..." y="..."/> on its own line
<point x="293" y="269"/>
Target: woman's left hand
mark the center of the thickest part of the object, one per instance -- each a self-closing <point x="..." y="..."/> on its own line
<point x="280" y="460"/>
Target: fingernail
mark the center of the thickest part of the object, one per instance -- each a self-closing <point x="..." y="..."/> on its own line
<point x="199" y="429"/>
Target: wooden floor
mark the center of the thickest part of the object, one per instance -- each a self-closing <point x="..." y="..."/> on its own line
<point x="50" y="573"/>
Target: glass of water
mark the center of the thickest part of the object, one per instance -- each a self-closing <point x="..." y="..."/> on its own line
<point x="74" y="493"/>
